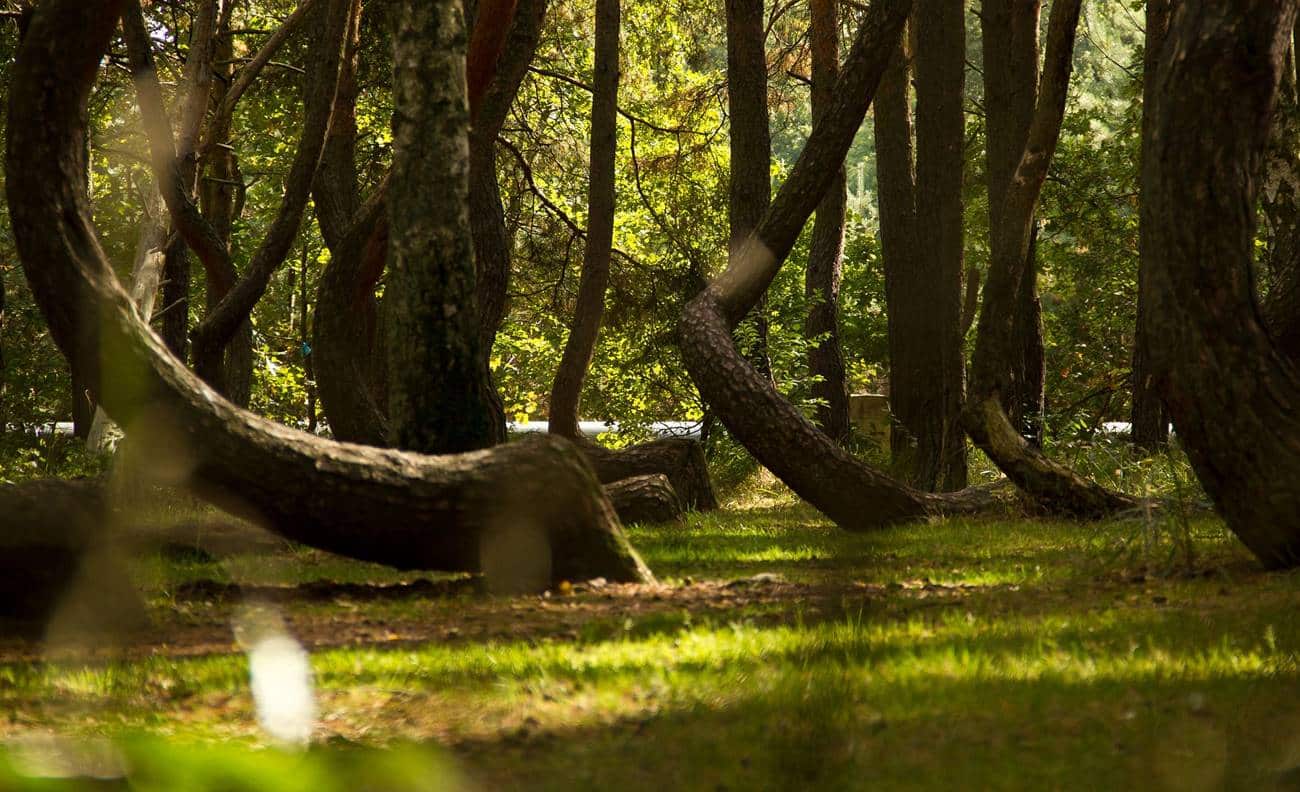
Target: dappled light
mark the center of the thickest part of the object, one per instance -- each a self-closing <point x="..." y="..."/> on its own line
<point x="608" y="394"/>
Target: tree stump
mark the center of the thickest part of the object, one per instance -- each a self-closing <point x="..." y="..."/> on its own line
<point x="645" y="499"/>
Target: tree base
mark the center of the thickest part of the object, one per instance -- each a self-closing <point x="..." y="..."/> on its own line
<point x="645" y="499"/>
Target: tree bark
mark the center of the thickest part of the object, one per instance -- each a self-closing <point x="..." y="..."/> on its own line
<point x="680" y="459"/>
<point x="566" y="392"/>
<point x="437" y="387"/>
<point x="1012" y="96"/>
<point x="921" y="234"/>
<point x="1015" y="182"/>
<point x="238" y="294"/>
<point x="1149" y="419"/>
<point x="853" y="494"/>
<point x="750" y="189"/>
<point x="645" y="499"/>
<point x="407" y="510"/>
<point x="1229" y="387"/>
<point x="352" y="389"/>
<point x="826" y="253"/>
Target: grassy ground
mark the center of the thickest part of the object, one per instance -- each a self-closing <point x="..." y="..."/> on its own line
<point x="777" y="653"/>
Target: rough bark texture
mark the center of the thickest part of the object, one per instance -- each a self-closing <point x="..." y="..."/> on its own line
<point x="1012" y="98"/>
<point x="851" y="493"/>
<point x="900" y="248"/>
<point x="407" y="510"/>
<point x="1280" y="212"/>
<point x="353" y="390"/>
<point x="921" y="235"/>
<point x="1015" y="182"/>
<point x="1230" y="389"/>
<point x="238" y="294"/>
<point x="437" y="399"/>
<point x="751" y="145"/>
<point x="346" y="344"/>
<point x="826" y="252"/>
<point x="1150" y="421"/>
<point x="940" y="65"/>
<point x="645" y="499"/>
<point x="680" y="459"/>
<point x="588" y="313"/>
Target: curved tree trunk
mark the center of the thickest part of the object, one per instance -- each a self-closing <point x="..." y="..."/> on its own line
<point x="826" y="254"/>
<point x="1015" y="181"/>
<point x="853" y="494"/>
<point x="1229" y="387"/>
<point x="1148" y="418"/>
<point x="407" y="510"/>
<point x="173" y="170"/>
<point x="566" y="392"/>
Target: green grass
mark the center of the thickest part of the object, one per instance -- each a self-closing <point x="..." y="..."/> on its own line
<point x="974" y="654"/>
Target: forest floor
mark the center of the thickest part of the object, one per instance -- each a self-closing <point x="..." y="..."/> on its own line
<point x="776" y="652"/>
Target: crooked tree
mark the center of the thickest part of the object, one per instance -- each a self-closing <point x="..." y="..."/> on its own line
<point x="403" y="509"/>
<point x="1229" y="386"/>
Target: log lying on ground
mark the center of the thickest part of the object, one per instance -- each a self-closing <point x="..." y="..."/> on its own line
<point x="679" y="459"/>
<point x="401" y="509"/>
<point x="645" y="499"/>
<point x="53" y="561"/>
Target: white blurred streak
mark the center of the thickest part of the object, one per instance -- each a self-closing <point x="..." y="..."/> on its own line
<point x="280" y="676"/>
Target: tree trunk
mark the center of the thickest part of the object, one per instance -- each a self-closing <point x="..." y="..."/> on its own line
<point x="490" y="104"/>
<point x="174" y="324"/>
<point x="1027" y="404"/>
<point x="1016" y="175"/>
<point x="645" y="499"/>
<point x="1228" y="386"/>
<point x="173" y="172"/>
<point x="437" y="389"/>
<point x="900" y="248"/>
<point x="412" y="511"/>
<point x="751" y="145"/>
<point x="219" y="199"/>
<point x="352" y="389"/>
<point x="1149" y="419"/>
<point x="921" y="235"/>
<point x="851" y="493"/>
<point x="53" y="563"/>
<point x="826" y="254"/>
<point x="679" y="459"/>
<point x="566" y="392"/>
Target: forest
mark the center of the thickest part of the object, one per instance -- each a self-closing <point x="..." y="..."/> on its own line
<point x="692" y="394"/>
